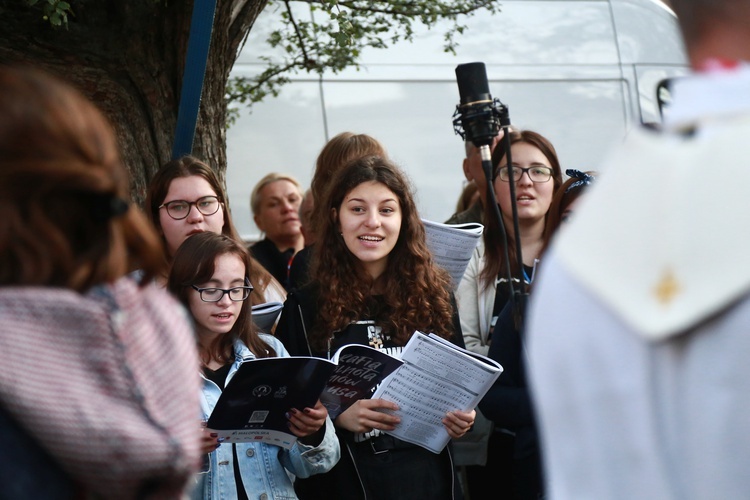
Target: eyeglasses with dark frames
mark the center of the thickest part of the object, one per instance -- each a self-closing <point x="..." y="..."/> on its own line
<point x="536" y="174"/>
<point x="180" y="209"/>
<point x="236" y="294"/>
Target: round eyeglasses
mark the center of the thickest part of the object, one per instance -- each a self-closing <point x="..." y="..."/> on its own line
<point x="536" y="174"/>
<point x="179" y="209"/>
<point x="236" y="294"/>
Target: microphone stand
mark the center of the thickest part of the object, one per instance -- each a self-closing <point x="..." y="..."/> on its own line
<point x="479" y="118"/>
<point x="517" y="296"/>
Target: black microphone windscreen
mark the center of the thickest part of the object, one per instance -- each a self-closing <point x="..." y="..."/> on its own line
<point x="472" y="83"/>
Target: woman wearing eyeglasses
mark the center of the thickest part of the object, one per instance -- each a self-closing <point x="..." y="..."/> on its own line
<point x="210" y="275"/>
<point x="184" y="198"/>
<point x="484" y="292"/>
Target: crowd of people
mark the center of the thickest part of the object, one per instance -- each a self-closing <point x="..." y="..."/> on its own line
<point x="623" y="356"/>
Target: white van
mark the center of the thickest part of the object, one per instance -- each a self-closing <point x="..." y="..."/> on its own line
<point x="580" y="72"/>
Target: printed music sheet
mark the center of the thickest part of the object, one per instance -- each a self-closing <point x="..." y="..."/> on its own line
<point x="452" y="245"/>
<point x="436" y="377"/>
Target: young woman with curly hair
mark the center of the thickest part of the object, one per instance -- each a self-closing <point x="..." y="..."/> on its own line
<point x="374" y="282"/>
<point x="336" y="154"/>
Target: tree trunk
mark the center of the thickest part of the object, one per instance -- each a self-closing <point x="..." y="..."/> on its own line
<point x="128" y="58"/>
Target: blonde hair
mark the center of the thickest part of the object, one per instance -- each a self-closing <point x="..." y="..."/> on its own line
<point x="255" y="198"/>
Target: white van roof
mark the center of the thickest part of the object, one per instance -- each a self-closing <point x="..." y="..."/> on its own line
<point x="580" y="72"/>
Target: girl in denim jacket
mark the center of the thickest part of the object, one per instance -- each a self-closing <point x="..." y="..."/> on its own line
<point x="210" y="276"/>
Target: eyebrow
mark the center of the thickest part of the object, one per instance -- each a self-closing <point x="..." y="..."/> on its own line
<point x="534" y="164"/>
<point x="196" y="199"/>
<point x="362" y="200"/>
<point x="283" y="196"/>
<point x="216" y="282"/>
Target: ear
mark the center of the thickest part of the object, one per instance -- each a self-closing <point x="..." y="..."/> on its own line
<point x="259" y="222"/>
<point x="335" y="219"/>
<point x="467" y="172"/>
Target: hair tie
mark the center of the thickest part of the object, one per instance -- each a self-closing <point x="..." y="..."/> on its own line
<point x="105" y="206"/>
<point x="583" y="179"/>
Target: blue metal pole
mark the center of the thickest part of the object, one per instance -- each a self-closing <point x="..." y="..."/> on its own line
<point x="199" y="42"/>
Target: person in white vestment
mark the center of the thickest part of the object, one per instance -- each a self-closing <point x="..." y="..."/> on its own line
<point x="638" y="330"/>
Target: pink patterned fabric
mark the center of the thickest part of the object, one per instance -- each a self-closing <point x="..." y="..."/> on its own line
<point x="106" y="382"/>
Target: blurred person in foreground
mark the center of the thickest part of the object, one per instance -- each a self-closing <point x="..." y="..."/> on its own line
<point x="638" y="327"/>
<point x="89" y="405"/>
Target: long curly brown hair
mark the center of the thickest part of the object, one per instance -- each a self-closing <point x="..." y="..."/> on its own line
<point x="417" y="291"/>
<point x="337" y="152"/>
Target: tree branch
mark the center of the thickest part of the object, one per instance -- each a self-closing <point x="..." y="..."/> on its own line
<point x="300" y="38"/>
<point x="407" y="9"/>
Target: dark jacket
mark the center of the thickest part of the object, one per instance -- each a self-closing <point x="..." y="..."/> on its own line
<point x="475" y="213"/>
<point x="29" y="470"/>
<point x="276" y="262"/>
<point x="508" y="402"/>
<point x="299" y="268"/>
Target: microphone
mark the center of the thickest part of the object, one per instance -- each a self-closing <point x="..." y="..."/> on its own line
<point x="478" y="117"/>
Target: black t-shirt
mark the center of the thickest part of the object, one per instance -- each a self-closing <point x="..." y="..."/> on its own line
<point x="366" y="331"/>
<point x="218" y="376"/>
<point x="299" y="268"/>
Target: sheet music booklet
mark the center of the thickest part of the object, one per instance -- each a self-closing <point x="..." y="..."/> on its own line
<point x="452" y="245"/>
<point x="436" y="377"/>
<point x="254" y="403"/>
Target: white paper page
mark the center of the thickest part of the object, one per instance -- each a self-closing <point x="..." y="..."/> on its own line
<point x="435" y="379"/>
<point x="452" y="245"/>
<point x="266" y="314"/>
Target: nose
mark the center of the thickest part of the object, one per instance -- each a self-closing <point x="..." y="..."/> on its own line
<point x="287" y="206"/>
<point x="373" y="220"/>
<point x="225" y="300"/>
<point x="194" y="215"/>
<point x="525" y="178"/>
